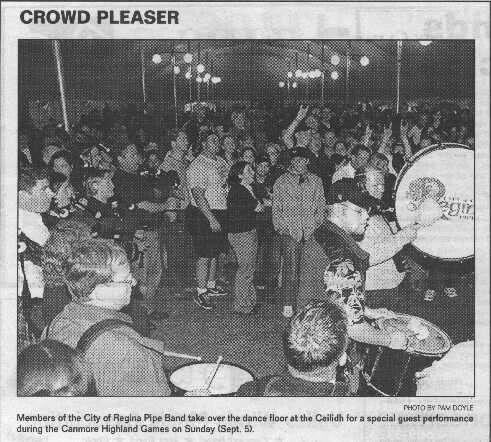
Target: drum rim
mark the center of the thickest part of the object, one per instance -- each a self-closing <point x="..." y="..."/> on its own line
<point x="211" y="363"/>
<point x="403" y="172"/>
<point x="422" y="353"/>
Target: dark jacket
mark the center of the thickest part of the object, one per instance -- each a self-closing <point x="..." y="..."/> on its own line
<point x="287" y="385"/>
<point x="241" y="216"/>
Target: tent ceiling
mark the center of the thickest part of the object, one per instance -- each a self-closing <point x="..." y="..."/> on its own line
<point x="111" y="69"/>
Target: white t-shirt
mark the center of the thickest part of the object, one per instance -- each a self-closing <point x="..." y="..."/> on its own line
<point x="346" y="171"/>
<point x="33" y="227"/>
<point x="211" y="175"/>
<point x="382" y="276"/>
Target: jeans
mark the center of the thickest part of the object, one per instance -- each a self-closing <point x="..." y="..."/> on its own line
<point x="244" y="245"/>
<point x="268" y="256"/>
<point x="292" y="252"/>
<point x="313" y="263"/>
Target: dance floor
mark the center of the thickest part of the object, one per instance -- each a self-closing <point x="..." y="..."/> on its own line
<point x="255" y="342"/>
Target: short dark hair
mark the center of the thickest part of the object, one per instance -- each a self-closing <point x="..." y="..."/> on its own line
<point x="56" y="179"/>
<point x="360" y="148"/>
<point x="60" y="154"/>
<point x="316" y="336"/>
<point x="29" y="176"/>
<point x="236" y="169"/>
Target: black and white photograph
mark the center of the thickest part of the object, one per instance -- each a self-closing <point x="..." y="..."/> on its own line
<point x="246" y="217"/>
<point x="242" y="221"/>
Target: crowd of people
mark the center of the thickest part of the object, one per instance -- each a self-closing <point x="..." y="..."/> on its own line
<point x="116" y="221"/>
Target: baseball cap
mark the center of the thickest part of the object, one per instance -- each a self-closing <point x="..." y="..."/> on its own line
<point x="346" y="189"/>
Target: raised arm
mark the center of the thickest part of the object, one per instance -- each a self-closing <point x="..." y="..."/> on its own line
<point x="288" y="138"/>
<point x="384" y="143"/>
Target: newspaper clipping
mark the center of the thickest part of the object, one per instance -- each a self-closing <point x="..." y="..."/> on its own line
<point x="206" y="206"/>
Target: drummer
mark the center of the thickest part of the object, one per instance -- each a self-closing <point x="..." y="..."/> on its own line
<point x="334" y="266"/>
<point x="314" y="345"/>
<point x="383" y="279"/>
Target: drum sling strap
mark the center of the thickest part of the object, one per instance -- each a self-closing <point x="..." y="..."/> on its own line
<point x="106" y="325"/>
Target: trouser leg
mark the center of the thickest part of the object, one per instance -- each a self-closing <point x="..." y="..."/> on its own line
<point x="291" y="257"/>
<point x="245" y="246"/>
<point x="313" y="263"/>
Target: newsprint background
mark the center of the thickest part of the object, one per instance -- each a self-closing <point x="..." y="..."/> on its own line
<point x="289" y="20"/>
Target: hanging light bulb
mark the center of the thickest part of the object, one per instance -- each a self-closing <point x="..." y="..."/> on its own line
<point x="199" y="79"/>
<point x="207" y="77"/>
<point x="281" y="84"/>
<point x="188" y="58"/>
<point x="219" y="80"/>
<point x="318" y="73"/>
<point x="157" y="58"/>
<point x="200" y="68"/>
<point x="334" y="75"/>
<point x="298" y="73"/>
<point x="290" y="74"/>
<point x="335" y="60"/>
<point x="214" y="80"/>
<point x="424" y="42"/>
<point x="364" y="60"/>
<point x="294" y="85"/>
<point x="188" y="75"/>
<point x="177" y="70"/>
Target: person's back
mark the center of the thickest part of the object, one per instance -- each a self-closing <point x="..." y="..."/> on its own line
<point x="287" y="385"/>
<point x="116" y="358"/>
<point x="99" y="279"/>
<point x="314" y="345"/>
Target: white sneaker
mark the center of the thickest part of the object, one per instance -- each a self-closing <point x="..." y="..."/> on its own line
<point x="451" y="292"/>
<point x="287" y="311"/>
<point x="429" y="295"/>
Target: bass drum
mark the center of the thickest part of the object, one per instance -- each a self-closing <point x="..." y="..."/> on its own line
<point x="441" y="178"/>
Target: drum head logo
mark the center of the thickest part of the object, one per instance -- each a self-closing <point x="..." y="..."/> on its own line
<point x="424" y="189"/>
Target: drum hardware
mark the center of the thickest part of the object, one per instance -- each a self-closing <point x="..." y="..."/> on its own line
<point x="389" y="372"/>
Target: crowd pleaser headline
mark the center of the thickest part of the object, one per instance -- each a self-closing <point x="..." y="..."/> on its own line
<point x="102" y="16"/>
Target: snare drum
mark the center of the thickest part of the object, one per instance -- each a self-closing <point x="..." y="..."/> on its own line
<point x="445" y="174"/>
<point x="194" y="376"/>
<point x="388" y="372"/>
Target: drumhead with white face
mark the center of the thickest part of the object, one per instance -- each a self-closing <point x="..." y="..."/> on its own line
<point x="438" y="183"/>
<point x="227" y="380"/>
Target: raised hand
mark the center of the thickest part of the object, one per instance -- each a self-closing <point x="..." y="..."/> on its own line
<point x="404" y="128"/>
<point x="302" y="112"/>
<point x="388" y="131"/>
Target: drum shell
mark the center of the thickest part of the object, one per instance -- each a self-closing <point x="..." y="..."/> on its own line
<point x="179" y="392"/>
<point x="391" y="377"/>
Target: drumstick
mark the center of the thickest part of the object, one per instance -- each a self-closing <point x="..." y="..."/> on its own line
<point x="181" y="355"/>
<point x="213" y="374"/>
<point x="157" y="346"/>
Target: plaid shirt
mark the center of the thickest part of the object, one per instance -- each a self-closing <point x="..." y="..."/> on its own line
<point x="298" y="204"/>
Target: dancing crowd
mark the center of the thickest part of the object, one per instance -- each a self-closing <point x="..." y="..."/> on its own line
<point x="117" y="219"/>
